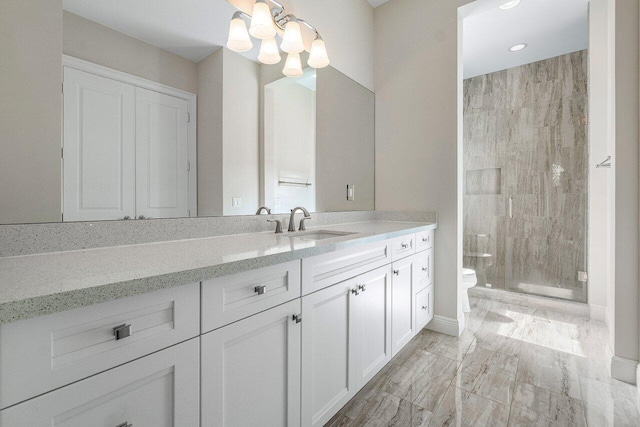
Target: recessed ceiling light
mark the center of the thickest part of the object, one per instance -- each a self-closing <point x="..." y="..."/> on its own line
<point x="518" y="47"/>
<point x="509" y="5"/>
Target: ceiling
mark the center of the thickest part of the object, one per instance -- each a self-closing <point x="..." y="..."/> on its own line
<point x="549" y="27"/>
<point x="192" y="29"/>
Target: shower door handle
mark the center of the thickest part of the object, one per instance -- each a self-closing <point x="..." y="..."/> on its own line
<point x="510" y="207"/>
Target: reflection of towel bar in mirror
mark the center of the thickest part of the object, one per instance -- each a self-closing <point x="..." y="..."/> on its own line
<point x="306" y="184"/>
<point x="606" y="163"/>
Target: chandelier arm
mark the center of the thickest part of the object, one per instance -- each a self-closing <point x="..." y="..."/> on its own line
<point x="311" y="27"/>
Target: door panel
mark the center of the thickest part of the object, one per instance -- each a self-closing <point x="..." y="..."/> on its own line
<point x="328" y="380"/>
<point x="159" y="390"/>
<point x="374" y="321"/>
<point x="99" y="147"/>
<point x="402" y="306"/>
<point x="162" y="174"/>
<point x="251" y="371"/>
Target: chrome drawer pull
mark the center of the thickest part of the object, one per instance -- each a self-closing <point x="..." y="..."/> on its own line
<point x="396" y="272"/>
<point x="425" y="269"/>
<point x="355" y="291"/>
<point x="362" y="287"/>
<point x="260" y="290"/>
<point x="297" y="318"/>
<point x="425" y="239"/>
<point x="122" y="331"/>
<point x="125" y="424"/>
<point x="424" y="307"/>
<point x="404" y="245"/>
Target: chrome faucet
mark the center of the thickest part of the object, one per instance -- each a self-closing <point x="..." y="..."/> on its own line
<point x="263" y="208"/>
<point x="306" y="213"/>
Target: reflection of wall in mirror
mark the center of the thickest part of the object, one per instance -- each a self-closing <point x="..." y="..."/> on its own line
<point x="290" y="143"/>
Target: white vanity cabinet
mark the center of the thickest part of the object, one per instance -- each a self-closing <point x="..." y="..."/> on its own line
<point x="251" y="370"/>
<point x="159" y="390"/>
<point x="346" y="341"/>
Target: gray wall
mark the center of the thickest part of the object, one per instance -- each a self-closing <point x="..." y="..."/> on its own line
<point x="210" y="83"/>
<point x="525" y="137"/>
<point x="85" y="39"/>
<point x="344" y="142"/>
<point x="30" y="110"/>
<point x="416" y="86"/>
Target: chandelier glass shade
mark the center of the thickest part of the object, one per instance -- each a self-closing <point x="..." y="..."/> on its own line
<point x="266" y="24"/>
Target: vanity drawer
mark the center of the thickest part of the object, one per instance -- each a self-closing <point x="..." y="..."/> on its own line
<point x="424" y="240"/>
<point x="403" y="246"/>
<point x="230" y="298"/>
<point x="424" y="268"/>
<point x="40" y="354"/>
<point x="423" y="307"/>
<point x="159" y="390"/>
<point x="324" y="270"/>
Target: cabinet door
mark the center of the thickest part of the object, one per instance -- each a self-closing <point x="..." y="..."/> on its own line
<point x="424" y="307"/>
<point x="160" y="390"/>
<point x="402" y="322"/>
<point x="99" y="147"/>
<point x="328" y="380"/>
<point x="162" y="169"/>
<point x="373" y="321"/>
<point x="251" y="371"/>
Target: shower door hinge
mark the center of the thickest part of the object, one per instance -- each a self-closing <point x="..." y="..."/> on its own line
<point x="582" y="276"/>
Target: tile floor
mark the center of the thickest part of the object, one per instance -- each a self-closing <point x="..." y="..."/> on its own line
<point x="514" y="365"/>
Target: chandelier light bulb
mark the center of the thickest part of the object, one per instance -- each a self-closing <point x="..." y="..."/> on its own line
<point x="269" y="53"/>
<point x="293" y="66"/>
<point x="239" y="40"/>
<point x="318" y="57"/>
<point x="292" y="38"/>
<point x="261" y="22"/>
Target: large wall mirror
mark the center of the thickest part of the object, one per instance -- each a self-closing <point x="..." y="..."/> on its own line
<point x="159" y="120"/>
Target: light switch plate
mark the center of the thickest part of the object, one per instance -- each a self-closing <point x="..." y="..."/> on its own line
<point x="236" y="202"/>
<point x="351" y="192"/>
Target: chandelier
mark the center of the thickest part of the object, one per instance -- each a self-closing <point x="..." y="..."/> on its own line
<point x="268" y="22"/>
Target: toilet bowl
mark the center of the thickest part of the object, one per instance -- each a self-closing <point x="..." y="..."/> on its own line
<point x="469" y="280"/>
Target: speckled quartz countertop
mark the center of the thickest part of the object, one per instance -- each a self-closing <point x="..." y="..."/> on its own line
<point x="35" y="285"/>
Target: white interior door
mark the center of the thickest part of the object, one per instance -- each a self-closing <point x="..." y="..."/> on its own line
<point x="99" y="147"/>
<point x="162" y="169"/>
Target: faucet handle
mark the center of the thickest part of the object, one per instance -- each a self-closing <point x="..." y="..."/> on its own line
<point x="278" y="225"/>
<point x="302" y="220"/>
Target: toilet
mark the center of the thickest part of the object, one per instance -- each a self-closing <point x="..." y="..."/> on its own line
<point x="469" y="280"/>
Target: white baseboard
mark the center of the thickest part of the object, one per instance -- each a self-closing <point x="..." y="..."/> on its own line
<point x="597" y="312"/>
<point x="445" y="325"/>
<point x="624" y="370"/>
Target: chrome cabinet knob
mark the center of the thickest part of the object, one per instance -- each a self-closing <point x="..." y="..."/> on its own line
<point x="260" y="290"/>
<point x="122" y="331"/>
<point x="355" y="291"/>
<point x="297" y="318"/>
<point x="362" y="287"/>
<point x="425" y="269"/>
<point x="396" y="272"/>
<point x="425" y="239"/>
<point x="404" y="245"/>
<point x="424" y="307"/>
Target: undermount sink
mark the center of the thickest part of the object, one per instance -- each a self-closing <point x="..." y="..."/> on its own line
<point x="318" y="234"/>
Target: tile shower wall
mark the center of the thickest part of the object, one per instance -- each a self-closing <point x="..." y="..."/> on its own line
<point x="525" y="138"/>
